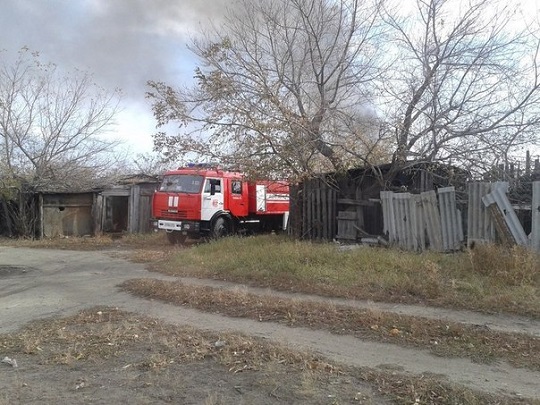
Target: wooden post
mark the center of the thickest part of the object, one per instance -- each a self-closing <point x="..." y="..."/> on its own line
<point x="359" y="209"/>
<point x="324" y="210"/>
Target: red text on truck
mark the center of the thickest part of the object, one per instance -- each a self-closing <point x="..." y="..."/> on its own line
<point x="202" y="201"/>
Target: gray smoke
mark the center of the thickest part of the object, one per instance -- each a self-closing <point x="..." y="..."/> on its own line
<point x="123" y="43"/>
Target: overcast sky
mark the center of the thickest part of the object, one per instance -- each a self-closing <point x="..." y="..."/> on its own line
<point x="123" y="43"/>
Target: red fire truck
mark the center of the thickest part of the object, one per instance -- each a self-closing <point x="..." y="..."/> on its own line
<point x="199" y="200"/>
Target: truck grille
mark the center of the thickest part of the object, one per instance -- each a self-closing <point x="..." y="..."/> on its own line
<point x="178" y="214"/>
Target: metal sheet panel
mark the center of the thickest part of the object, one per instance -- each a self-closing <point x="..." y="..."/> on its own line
<point x="389" y="223"/>
<point x="401" y="211"/>
<point x="418" y="222"/>
<point x="498" y="197"/>
<point x="451" y="228"/>
<point x="408" y="216"/>
<point x="409" y="221"/>
<point x="480" y="225"/>
<point x="432" y="220"/>
<point x="535" y="207"/>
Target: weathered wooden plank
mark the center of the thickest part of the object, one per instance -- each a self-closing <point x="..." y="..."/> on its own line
<point x="304" y="209"/>
<point x="359" y="208"/>
<point x="98" y="215"/>
<point x="347" y="215"/>
<point x="350" y="201"/>
<point x="312" y="210"/>
<point x="333" y="216"/>
<point x="133" y="219"/>
<point x="311" y="204"/>
<point x="498" y="196"/>
<point x="318" y="213"/>
<point x="503" y="231"/>
<point x="324" y="210"/>
<point x="347" y="229"/>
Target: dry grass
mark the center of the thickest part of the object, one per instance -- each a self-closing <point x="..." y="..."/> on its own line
<point x="459" y="280"/>
<point x="101" y="335"/>
<point x="101" y="242"/>
<point x="513" y="266"/>
<point x="442" y="338"/>
<point x="430" y="390"/>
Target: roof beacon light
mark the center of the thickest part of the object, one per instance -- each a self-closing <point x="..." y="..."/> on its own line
<point x="202" y="166"/>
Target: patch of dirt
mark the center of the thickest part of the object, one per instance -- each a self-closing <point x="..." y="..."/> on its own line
<point x="443" y="338"/>
<point x="107" y="356"/>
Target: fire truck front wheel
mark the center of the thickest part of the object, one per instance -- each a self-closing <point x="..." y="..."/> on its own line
<point x="176" y="238"/>
<point x="221" y="228"/>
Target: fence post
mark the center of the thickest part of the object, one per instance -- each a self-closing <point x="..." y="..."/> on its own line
<point x="535" y="208"/>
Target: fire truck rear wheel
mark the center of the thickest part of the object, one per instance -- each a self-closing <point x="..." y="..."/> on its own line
<point x="221" y="228"/>
<point x="176" y="238"/>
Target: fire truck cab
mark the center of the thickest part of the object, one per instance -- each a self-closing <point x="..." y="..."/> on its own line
<point x="205" y="201"/>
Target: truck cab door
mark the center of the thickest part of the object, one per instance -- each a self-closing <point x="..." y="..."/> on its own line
<point x="237" y="197"/>
<point x="212" y="198"/>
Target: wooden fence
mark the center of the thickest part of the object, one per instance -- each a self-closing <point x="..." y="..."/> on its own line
<point x="314" y="210"/>
<point x="322" y="211"/>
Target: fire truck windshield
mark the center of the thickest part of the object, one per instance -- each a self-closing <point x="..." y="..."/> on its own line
<point x="179" y="183"/>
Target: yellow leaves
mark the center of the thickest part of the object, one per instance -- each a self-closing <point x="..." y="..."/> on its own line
<point x="394" y="332"/>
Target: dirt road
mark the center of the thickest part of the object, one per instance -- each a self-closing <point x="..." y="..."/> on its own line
<point x="36" y="284"/>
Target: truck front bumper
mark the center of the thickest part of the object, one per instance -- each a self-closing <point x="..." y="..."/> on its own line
<point x="182" y="226"/>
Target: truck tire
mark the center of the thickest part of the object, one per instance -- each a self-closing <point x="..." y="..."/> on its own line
<point x="221" y="228"/>
<point x="176" y="238"/>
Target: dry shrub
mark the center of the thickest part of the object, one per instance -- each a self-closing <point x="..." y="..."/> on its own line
<point x="516" y="265"/>
<point x="429" y="281"/>
<point x="422" y="280"/>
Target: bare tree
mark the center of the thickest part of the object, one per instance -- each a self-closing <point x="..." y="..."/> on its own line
<point x="465" y="88"/>
<point x="284" y="85"/>
<point x="150" y="164"/>
<point x="52" y="127"/>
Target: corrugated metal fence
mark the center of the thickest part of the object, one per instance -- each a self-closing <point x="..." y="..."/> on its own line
<point x="535" y="225"/>
<point x="429" y="220"/>
<point x="419" y="222"/>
